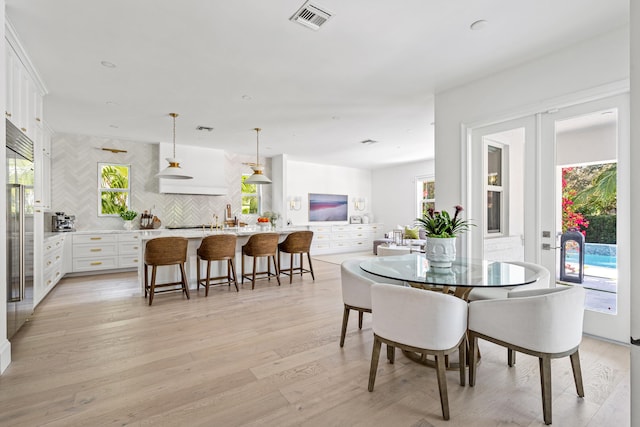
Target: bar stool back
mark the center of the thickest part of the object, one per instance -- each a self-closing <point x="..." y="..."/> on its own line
<point x="219" y="247"/>
<point x="298" y="242"/>
<point x="165" y="251"/>
<point x="261" y="245"/>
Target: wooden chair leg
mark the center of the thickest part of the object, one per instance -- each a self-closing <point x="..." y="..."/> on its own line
<point x="462" y="360"/>
<point x="310" y="266"/>
<point x="253" y="275"/>
<point x="345" y="321"/>
<point x="208" y="280"/>
<point x="360" y="316"/>
<point x="276" y="267"/>
<point x="545" y="384"/>
<point x="301" y="264"/>
<point x="473" y="358"/>
<point x="198" y="277"/>
<point x="511" y="357"/>
<point x="577" y="373"/>
<point x="242" y="270"/>
<point x="185" y="282"/>
<point x="146" y="280"/>
<point x="290" y="269"/>
<point x="391" y="354"/>
<point x="152" y="287"/>
<point x="442" y="386"/>
<point x="375" y="355"/>
<point x="232" y="273"/>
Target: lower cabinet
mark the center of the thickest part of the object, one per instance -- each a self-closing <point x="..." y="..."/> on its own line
<point x="336" y="238"/>
<point x="104" y="251"/>
<point x="52" y="265"/>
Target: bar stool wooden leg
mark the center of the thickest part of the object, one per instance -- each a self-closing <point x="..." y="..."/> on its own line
<point x="290" y="269"/>
<point x="185" y="283"/>
<point x="153" y="284"/>
<point x="253" y="276"/>
<point x="310" y="265"/>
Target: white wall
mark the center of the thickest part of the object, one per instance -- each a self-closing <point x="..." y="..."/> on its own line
<point x="635" y="211"/>
<point x="517" y="91"/>
<point x="5" y="346"/>
<point x="394" y="192"/>
<point x="75" y="184"/>
<point x="302" y="178"/>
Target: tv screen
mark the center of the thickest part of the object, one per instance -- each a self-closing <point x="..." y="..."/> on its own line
<point x="328" y="207"/>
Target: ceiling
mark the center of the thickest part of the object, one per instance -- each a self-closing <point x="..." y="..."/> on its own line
<point x="369" y="73"/>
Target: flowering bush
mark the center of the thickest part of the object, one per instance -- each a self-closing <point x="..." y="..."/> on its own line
<point x="441" y="224"/>
<point x="571" y="219"/>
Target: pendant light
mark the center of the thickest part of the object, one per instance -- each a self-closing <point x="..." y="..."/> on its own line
<point x="173" y="171"/>
<point x="258" y="177"/>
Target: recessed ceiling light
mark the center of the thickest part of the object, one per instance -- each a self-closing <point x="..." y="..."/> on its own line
<point x="108" y="64"/>
<point x="478" y="25"/>
<point x="114" y="126"/>
<point x="246" y="97"/>
<point x="111" y="103"/>
<point x="335" y="117"/>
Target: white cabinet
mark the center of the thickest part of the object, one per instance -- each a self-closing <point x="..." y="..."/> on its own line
<point x="344" y="237"/>
<point x="24" y="94"/>
<point x="42" y="166"/>
<point x="105" y="251"/>
<point x="52" y="266"/>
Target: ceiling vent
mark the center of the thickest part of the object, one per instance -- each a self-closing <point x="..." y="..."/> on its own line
<point x="311" y="16"/>
<point x="204" y="128"/>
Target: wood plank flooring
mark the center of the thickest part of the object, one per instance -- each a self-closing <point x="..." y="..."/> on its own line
<point x="95" y="354"/>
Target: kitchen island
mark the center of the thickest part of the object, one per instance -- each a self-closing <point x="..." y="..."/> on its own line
<point x="195" y="236"/>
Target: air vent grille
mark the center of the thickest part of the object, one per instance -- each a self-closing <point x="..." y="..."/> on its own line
<point x="311" y="16"/>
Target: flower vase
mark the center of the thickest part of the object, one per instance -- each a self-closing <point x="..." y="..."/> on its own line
<point x="128" y="225"/>
<point x="440" y="252"/>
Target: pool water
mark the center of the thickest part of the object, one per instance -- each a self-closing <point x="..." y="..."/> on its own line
<point x="606" y="261"/>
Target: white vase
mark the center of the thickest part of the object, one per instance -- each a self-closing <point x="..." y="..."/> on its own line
<point x="440" y="252"/>
<point x="128" y="225"/>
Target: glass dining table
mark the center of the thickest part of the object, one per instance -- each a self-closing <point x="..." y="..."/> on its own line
<point x="464" y="274"/>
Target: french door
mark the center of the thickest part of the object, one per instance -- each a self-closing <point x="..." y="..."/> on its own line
<point x="612" y="323"/>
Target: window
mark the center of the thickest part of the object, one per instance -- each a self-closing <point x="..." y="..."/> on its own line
<point x="495" y="188"/>
<point x="250" y="197"/>
<point x="113" y="188"/>
<point x="426" y="194"/>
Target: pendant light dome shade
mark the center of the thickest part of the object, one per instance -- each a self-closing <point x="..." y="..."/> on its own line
<point x="258" y="176"/>
<point x="173" y="171"/>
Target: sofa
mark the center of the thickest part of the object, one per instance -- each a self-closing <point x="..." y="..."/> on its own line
<point x="389" y="238"/>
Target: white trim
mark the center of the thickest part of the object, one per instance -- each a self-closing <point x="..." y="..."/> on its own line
<point x="5" y="355"/>
<point x="14" y="41"/>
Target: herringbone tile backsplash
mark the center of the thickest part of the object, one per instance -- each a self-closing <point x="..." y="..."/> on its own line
<point x="74" y="183"/>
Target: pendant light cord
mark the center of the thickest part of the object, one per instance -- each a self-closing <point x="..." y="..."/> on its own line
<point x="257" y="146"/>
<point x="174" y="115"/>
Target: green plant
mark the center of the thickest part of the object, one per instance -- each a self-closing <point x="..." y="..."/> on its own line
<point x="441" y="224"/>
<point x="273" y="217"/>
<point x="128" y="215"/>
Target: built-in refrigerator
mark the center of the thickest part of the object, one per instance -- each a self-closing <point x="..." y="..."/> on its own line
<point x="20" y="227"/>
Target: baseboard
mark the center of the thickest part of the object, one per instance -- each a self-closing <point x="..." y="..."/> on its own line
<point x="5" y="355"/>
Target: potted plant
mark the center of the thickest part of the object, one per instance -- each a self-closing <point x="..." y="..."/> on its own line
<point x="273" y="217"/>
<point x="442" y="229"/>
<point x="128" y="216"/>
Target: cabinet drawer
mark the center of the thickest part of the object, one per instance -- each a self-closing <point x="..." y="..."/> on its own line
<point x="126" y="261"/>
<point x="129" y="237"/>
<point x="96" y="250"/>
<point x="319" y="237"/>
<point x="128" y="248"/>
<point x="91" y="264"/>
<point x="338" y="228"/>
<point x="52" y="245"/>
<point x="320" y="228"/>
<point x="341" y="236"/>
<point x="94" y="238"/>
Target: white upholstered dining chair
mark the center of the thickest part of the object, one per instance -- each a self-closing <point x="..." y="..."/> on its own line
<point x="545" y="323"/>
<point x="422" y="322"/>
<point x="356" y="291"/>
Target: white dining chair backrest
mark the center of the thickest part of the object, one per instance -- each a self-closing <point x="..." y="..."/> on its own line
<point x="418" y="318"/>
<point x="356" y="283"/>
<point x="547" y="320"/>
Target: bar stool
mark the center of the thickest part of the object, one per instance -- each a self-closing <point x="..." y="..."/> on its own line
<point x="220" y="247"/>
<point x="299" y="243"/>
<point x="261" y="245"/>
<point x="165" y="251"/>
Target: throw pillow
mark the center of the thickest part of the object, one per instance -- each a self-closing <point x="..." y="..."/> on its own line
<point x="411" y="233"/>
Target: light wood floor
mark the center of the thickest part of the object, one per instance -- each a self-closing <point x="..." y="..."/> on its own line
<point x="95" y="354"/>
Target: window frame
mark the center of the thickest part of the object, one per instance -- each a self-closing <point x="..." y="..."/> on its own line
<point x="102" y="190"/>
<point x="257" y="195"/>
<point x="499" y="188"/>
<point x="421" y="201"/>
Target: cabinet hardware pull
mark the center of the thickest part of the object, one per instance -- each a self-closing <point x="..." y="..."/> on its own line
<point x="48" y="262"/>
<point x="95" y="249"/>
<point x="57" y="273"/>
<point x="135" y="260"/>
<point x="96" y="263"/>
<point x="135" y="247"/>
<point x="8" y="114"/>
<point x="96" y="238"/>
<point x="48" y="282"/>
<point x="38" y="119"/>
<point x="48" y="247"/>
<point x="23" y="129"/>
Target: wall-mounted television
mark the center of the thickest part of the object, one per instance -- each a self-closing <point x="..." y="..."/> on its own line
<point x="328" y="207"/>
